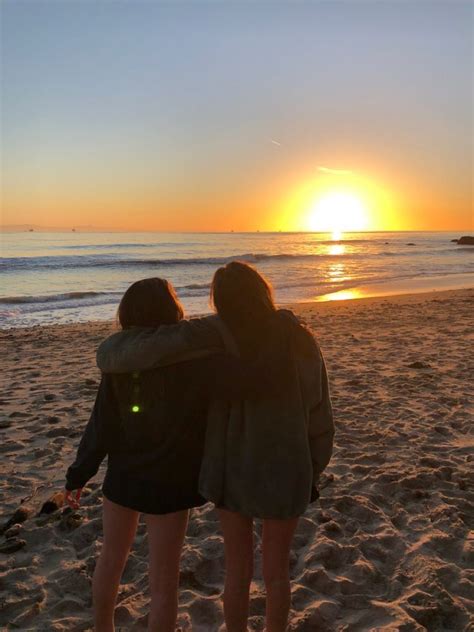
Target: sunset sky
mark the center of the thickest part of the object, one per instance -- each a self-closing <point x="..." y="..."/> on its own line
<point x="244" y="116"/>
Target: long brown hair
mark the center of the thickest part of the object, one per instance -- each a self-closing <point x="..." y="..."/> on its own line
<point x="243" y="298"/>
<point x="149" y="303"/>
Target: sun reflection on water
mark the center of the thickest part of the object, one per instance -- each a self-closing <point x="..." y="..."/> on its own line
<point x="336" y="249"/>
<point x="342" y="295"/>
<point x="336" y="272"/>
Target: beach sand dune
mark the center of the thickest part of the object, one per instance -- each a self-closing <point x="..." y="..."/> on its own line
<point x="389" y="547"/>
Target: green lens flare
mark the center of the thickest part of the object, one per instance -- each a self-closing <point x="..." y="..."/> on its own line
<point x="135" y="409"/>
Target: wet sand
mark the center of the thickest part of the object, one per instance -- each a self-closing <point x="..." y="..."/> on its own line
<point x="390" y="545"/>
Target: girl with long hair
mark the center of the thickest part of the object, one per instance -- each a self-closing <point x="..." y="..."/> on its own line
<point x="152" y="426"/>
<point x="274" y="449"/>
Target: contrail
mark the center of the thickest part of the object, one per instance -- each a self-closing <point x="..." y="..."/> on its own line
<point x="275" y="142"/>
<point x="339" y="172"/>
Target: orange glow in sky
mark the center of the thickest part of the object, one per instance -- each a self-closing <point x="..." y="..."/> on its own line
<point x="313" y="116"/>
<point x="343" y="201"/>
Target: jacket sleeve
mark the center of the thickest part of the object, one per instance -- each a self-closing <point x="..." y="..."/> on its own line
<point x="141" y="349"/>
<point x="92" y="447"/>
<point x="321" y="424"/>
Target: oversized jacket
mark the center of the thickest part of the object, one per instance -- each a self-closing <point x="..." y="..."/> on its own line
<point x="262" y="457"/>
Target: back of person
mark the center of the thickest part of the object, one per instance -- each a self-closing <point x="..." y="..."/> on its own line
<point x="151" y="425"/>
<point x="258" y="459"/>
<point x="156" y="424"/>
<point x="272" y="450"/>
<point x="262" y="457"/>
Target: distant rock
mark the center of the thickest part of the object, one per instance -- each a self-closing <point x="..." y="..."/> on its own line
<point x="411" y="244"/>
<point x="467" y="240"/>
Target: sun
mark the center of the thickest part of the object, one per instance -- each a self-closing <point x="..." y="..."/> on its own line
<point x="337" y="213"/>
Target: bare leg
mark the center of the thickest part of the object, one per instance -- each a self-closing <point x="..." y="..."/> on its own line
<point x="120" y="524"/>
<point x="276" y="543"/>
<point x="238" y="543"/>
<point x="165" y="540"/>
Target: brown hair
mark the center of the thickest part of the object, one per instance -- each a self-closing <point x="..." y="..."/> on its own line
<point x="243" y="298"/>
<point x="149" y="303"/>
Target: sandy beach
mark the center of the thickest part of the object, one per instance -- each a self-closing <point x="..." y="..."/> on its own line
<point x="390" y="545"/>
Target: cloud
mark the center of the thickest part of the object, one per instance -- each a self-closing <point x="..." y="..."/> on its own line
<point x="339" y="172"/>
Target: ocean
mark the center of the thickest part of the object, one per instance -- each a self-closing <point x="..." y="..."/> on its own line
<point x="70" y="277"/>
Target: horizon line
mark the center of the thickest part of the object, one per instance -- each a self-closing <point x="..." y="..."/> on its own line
<point x="53" y="229"/>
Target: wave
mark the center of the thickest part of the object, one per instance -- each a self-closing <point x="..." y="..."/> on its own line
<point x="106" y="246"/>
<point x="126" y="245"/>
<point x="53" y="298"/>
<point x="194" y="286"/>
<point x="111" y="261"/>
<point x="116" y="261"/>
<point x="81" y="297"/>
<point x="314" y="242"/>
<point x="107" y="261"/>
<point x="336" y="242"/>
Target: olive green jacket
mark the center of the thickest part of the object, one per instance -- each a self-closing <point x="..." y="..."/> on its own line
<point x="262" y="456"/>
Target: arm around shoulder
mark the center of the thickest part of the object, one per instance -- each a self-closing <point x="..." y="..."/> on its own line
<point x="140" y="349"/>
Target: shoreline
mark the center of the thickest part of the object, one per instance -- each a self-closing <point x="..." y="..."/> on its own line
<point x="458" y="281"/>
<point x="339" y="298"/>
<point x="408" y="297"/>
